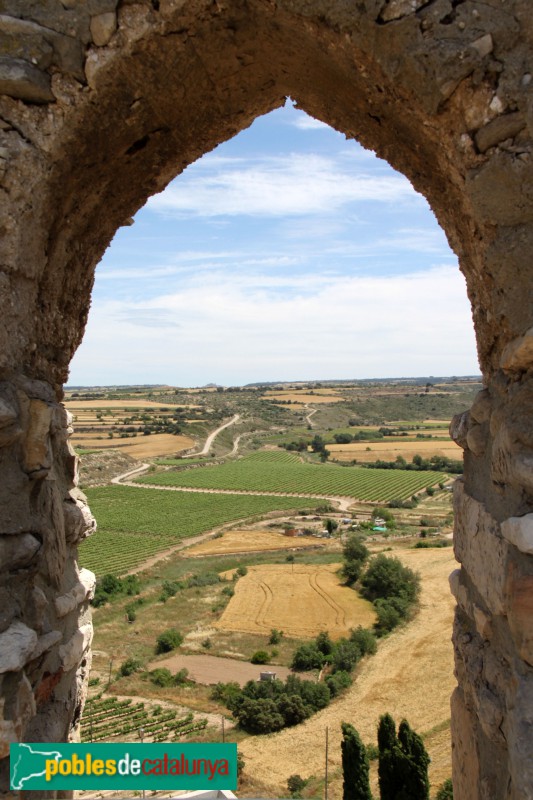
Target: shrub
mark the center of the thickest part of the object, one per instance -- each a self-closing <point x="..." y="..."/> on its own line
<point x="260" y="657"/>
<point x="387" y="577"/>
<point x="355" y="554"/>
<point x="169" y="589"/>
<point x="181" y="676"/>
<point x="162" y="677"/>
<point x="338" y="682"/>
<point x="168" y="640"/>
<point x="228" y="591"/>
<point x="275" y="636"/>
<point x="345" y="656"/>
<point x="307" y="657"/>
<point x="130" y="666"/>
<point x="365" y="640"/>
<point x="445" y="791"/>
<point x="295" y="784"/>
<point x="242" y="571"/>
<point x="324" y="643"/>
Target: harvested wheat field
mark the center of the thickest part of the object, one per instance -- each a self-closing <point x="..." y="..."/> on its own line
<point x="136" y="404"/>
<point x="411" y="676"/>
<point x="251" y="541"/>
<point x="301" y="599"/>
<point x="299" y="398"/>
<point x="158" y="444"/>
<point x="389" y="451"/>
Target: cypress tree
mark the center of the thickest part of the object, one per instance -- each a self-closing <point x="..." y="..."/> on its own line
<point x="403" y="762"/>
<point x="355" y="766"/>
<point x="389" y="754"/>
<point x="417" y="781"/>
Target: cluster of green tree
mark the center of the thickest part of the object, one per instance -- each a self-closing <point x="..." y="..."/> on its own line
<point x="392" y="587"/>
<point x="341" y="655"/>
<point x="403" y="763"/>
<point x="318" y="445"/>
<point x="299" y="446"/>
<point x="109" y="586"/>
<point x="267" y="706"/>
<point x="419" y="464"/>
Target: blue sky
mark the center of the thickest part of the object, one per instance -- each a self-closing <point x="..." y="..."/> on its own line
<point x="287" y="253"/>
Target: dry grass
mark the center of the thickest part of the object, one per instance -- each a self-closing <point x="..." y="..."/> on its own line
<point x="251" y="541"/>
<point x="300" y="599"/>
<point x="389" y="451"/>
<point x="411" y="676"/>
<point x="158" y="444"/>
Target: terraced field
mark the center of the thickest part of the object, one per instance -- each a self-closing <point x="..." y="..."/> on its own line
<point x="272" y="471"/>
<point x="136" y="524"/>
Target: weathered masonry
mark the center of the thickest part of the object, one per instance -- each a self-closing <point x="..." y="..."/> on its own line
<point x="103" y="102"/>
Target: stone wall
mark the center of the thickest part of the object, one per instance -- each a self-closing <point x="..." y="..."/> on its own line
<point x="102" y="103"/>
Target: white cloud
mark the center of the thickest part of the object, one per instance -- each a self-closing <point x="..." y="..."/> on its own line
<point x="276" y="187"/>
<point x="304" y="122"/>
<point x="268" y="328"/>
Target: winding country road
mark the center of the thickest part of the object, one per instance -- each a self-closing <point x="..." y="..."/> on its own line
<point x="212" y="436"/>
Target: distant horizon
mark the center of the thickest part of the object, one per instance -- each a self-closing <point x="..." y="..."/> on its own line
<point x="210" y="385"/>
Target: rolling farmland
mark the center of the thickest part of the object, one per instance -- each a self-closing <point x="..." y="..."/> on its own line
<point x="272" y="471"/>
<point x="135" y="525"/>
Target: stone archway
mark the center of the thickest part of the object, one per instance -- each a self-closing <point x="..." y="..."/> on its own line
<point x="103" y="104"/>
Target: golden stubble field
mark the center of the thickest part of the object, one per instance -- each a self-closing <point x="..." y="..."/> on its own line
<point x="300" y="599"/>
<point x="300" y="398"/>
<point x="157" y="444"/>
<point x="251" y="541"/>
<point x="390" y="450"/>
<point x="411" y="676"/>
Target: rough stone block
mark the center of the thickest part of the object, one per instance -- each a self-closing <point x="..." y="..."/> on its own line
<point x="520" y="612"/>
<point x="20" y="79"/>
<point x="16" y="646"/>
<point x="480" y="548"/>
<point x="45" y="643"/>
<point x="465" y="758"/>
<point x="518" y="354"/>
<point x="22" y="709"/>
<point x="519" y="531"/>
<point x="72" y="652"/>
<point x="18" y="551"/>
<point x="481" y="407"/>
<point x="103" y="26"/>
<point x="476" y="440"/>
<point x="459" y="428"/>
<point x="37" y="440"/>
<point x="81" y="591"/>
<point x="505" y="127"/>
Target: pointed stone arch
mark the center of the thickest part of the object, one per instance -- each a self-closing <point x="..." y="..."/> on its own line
<point x="103" y="105"/>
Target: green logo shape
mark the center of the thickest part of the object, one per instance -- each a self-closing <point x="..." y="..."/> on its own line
<point x="123" y="766"/>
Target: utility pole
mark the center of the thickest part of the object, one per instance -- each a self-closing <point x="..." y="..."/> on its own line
<point x="326" y="780"/>
<point x="223" y="730"/>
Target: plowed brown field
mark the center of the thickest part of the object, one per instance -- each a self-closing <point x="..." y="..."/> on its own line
<point x="300" y="599"/>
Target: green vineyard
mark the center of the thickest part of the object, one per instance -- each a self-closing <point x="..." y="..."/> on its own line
<point x="271" y="471"/>
<point x="136" y="524"/>
<point x="111" y="719"/>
